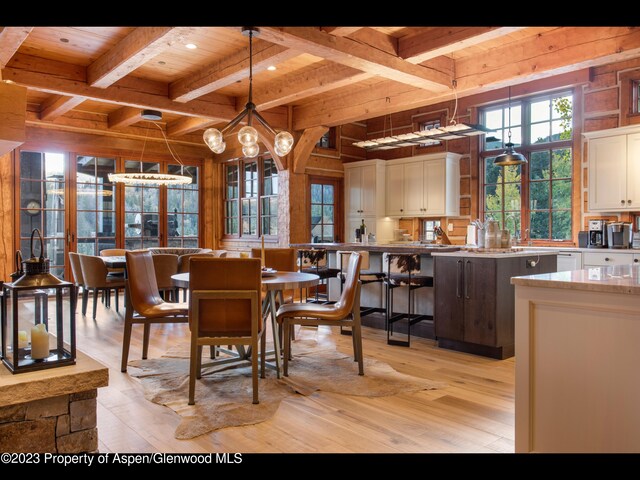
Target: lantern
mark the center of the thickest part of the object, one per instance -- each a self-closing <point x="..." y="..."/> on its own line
<point x="37" y="331"/>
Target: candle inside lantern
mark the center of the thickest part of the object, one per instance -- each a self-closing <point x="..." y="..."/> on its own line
<point x="39" y="342"/>
<point x="262" y="262"/>
<point x="23" y="340"/>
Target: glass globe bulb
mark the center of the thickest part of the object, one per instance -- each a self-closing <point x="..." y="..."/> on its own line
<point x="251" y="151"/>
<point x="284" y="141"/>
<point x="220" y="148"/>
<point x="247" y="136"/>
<point x="213" y="137"/>
<point x="278" y="151"/>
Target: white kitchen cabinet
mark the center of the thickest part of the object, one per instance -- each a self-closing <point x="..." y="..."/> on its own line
<point x="428" y="185"/>
<point x="569" y="261"/>
<point x="614" y="169"/>
<point x="360" y="186"/>
<point x="606" y="257"/>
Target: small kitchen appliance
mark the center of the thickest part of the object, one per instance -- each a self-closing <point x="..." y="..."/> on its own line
<point x="619" y="235"/>
<point x="597" y="234"/>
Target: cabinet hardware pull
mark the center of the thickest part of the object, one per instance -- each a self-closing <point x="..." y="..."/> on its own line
<point x="466" y="280"/>
<point x="606" y="259"/>
<point x="629" y="202"/>
<point x="458" y="278"/>
<point x="621" y="202"/>
<point x="635" y="260"/>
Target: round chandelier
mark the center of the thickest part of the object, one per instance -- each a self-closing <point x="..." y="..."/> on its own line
<point x="247" y="135"/>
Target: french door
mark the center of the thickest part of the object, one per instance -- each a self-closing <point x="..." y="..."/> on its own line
<point x="325" y="199"/>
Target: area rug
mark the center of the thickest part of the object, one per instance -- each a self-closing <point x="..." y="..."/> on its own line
<point x="223" y="395"/>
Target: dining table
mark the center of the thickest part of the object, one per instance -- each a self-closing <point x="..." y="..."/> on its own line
<point x="274" y="283"/>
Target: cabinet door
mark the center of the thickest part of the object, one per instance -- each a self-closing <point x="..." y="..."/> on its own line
<point x="414" y="189"/>
<point x="353" y="187"/>
<point x="569" y="261"/>
<point x="395" y="190"/>
<point x="633" y="171"/>
<point x="434" y="188"/>
<point x="368" y="190"/>
<point x="449" y="297"/>
<point x="479" y="292"/>
<point x="608" y="173"/>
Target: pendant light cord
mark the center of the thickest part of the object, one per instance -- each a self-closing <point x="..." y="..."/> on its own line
<point x="175" y="156"/>
<point x="509" y="132"/>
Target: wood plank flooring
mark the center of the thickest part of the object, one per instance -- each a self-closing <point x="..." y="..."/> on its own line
<point x="473" y="413"/>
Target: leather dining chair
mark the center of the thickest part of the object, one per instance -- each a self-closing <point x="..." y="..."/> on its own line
<point x="114" y="252"/>
<point x="78" y="280"/>
<point x="183" y="267"/>
<point x="224" y="309"/>
<point x="147" y="306"/>
<point x="165" y="265"/>
<point x="345" y="312"/>
<point x="97" y="279"/>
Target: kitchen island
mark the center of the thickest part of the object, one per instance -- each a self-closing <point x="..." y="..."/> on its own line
<point x="577" y="383"/>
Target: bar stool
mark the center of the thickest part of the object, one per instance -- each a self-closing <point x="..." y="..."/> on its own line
<point x="315" y="261"/>
<point x="403" y="270"/>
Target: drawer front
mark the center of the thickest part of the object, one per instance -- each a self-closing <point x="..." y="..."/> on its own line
<point x="604" y="259"/>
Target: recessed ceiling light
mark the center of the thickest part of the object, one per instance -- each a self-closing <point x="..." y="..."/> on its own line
<point x="64" y="40"/>
<point x="191" y="46"/>
<point x="271" y="68"/>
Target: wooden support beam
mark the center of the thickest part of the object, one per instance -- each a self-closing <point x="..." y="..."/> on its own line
<point x="229" y="70"/>
<point x="267" y="138"/>
<point x="354" y="54"/>
<point x="376" y="39"/>
<point x="305" y="145"/>
<point x="57" y="105"/>
<point x="341" y="31"/>
<point x="137" y="48"/>
<point x="435" y="41"/>
<point x="10" y="40"/>
<point x="13" y="108"/>
<point x="187" y="125"/>
<point x="124" y="116"/>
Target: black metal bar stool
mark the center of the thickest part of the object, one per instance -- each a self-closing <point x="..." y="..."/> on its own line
<point x="315" y="261"/>
<point x="403" y="270"/>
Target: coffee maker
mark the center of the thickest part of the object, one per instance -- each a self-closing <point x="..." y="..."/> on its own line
<point x="597" y="234"/>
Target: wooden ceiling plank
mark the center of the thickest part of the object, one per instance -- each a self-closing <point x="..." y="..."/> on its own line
<point x="123" y="117"/>
<point x="376" y="39"/>
<point x="229" y="70"/>
<point x="57" y="105"/>
<point x="433" y="42"/>
<point x="341" y="31"/>
<point x="358" y="55"/>
<point x="134" y="50"/>
<point x="10" y="40"/>
<point x="187" y="125"/>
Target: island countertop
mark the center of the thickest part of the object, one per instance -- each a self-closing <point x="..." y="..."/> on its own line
<point x="424" y="249"/>
<point x="499" y="253"/>
<point x="615" y="279"/>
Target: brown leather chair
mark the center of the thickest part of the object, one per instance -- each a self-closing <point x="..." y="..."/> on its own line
<point x="147" y="306"/>
<point x="165" y="265"/>
<point x="183" y="267"/>
<point x="225" y="310"/>
<point x="96" y="278"/>
<point x="76" y="270"/>
<point x="345" y="312"/>
<point x="114" y="252"/>
<point x="281" y="259"/>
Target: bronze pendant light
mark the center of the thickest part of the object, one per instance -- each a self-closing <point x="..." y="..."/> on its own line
<point x="509" y="156"/>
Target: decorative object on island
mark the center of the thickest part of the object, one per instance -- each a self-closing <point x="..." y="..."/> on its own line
<point x="21" y="318"/>
<point x="152" y="178"/>
<point x="509" y="156"/>
<point x="247" y="135"/>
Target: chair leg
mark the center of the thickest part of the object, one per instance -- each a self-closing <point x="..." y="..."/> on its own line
<point x="254" y="369"/>
<point x="263" y="352"/>
<point x="357" y="335"/>
<point x="287" y="346"/>
<point x="85" y="301"/>
<point x="193" y="368"/>
<point x="355" y="345"/>
<point x="95" y="302"/>
<point x="212" y="351"/>
<point x="199" y="363"/>
<point x="117" y="299"/>
<point x="77" y="295"/>
<point x="126" y="340"/>
<point x="145" y="340"/>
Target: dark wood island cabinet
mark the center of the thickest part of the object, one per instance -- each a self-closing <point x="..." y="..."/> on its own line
<point x="474" y="299"/>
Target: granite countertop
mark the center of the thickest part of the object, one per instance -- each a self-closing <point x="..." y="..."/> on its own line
<point x="495" y="253"/>
<point x="615" y="279"/>
<point x="410" y="247"/>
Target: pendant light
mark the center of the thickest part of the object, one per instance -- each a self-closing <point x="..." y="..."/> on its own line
<point x="509" y="156"/>
<point x="247" y="135"/>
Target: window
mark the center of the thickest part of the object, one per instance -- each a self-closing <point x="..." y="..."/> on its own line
<point x="141" y="209"/>
<point x="429" y="125"/>
<point x="182" y="209"/>
<point x="535" y="196"/>
<point x="428" y="227"/>
<point x="251" y="194"/>
<point x="636" y="96"/>
<point x="328" y="140"/>
<point x="323" y="210"/>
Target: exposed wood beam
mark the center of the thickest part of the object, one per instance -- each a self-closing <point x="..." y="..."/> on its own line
<point x="354" y="54"/>
<point x="376" y="39"/>
<point x="187" y="125"/>
<point x="552" y="53"/>
<point x="57" y="105"/>
<point x="305" y="145"/>
<point x="137" y="48"/>
<point x="229" y="70"/>
<point x="124" y="116"/>
<point x="436" y="41"/>
<point x="10" y="40"/>
<point x="341" y="31"/>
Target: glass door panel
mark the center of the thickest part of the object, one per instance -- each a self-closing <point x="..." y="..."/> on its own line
<point x="182" y="209"/>
<point x="141" y="210"/>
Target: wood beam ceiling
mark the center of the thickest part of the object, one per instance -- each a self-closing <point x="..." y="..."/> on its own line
<point x="187" y="125"/>
<point x="354" y="54"/>
<point x="137" y="48"/>
<point x="124" y="116"/>
<point x="10" y="40"/>
<point x="57" y="105"/>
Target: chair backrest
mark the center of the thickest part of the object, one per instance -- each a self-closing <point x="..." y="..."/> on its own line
<point x="94" y="271"/>
<point x="184" y="260"/>
<point x="312" y="258"/>
<point x="280" y="259"/>
<point x="165" y="265"/>
<point x="226" y="316"/>
<point x="76" y="268"/>
<point x="344" y="305"/>
<point x="219" y="253"/>
<point x="143" y="286"/>
<point x="113" y="252"/>
<point x="342" y="259"/>
<point x="401" y="263"/>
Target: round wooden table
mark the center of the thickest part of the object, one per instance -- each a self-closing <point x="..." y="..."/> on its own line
<point x="273" y="284"/>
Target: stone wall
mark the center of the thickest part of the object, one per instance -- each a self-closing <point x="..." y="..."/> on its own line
<point x="62" y="424"/>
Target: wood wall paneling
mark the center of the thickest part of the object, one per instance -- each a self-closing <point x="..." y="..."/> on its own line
<point x="13" y="110"/>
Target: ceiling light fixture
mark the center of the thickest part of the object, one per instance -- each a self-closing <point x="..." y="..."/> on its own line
<point x="509" y="156"/>
<point x="247" y="135"/>
<point x="191" y="46"/>
<point x="152" y="178"/>
<point x="271" y="68"/>
<point x="424" y="138"/>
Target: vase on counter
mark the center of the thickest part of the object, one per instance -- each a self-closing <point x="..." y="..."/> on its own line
<point x="481" y="234"/>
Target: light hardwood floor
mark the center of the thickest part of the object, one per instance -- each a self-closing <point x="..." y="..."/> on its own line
<point x="473" y="413"/>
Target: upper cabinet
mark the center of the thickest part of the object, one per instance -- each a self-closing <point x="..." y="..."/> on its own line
<point x="614" y="169"/>
<point x="424" y="186"/>
<point x="361" y="187"/>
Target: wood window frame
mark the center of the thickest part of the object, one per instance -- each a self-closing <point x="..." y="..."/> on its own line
<point x="338" y="209"/>
<point x="629" y="114"/>
<point x="419" y="120"/>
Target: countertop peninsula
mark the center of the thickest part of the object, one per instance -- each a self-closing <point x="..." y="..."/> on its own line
<point x="409" y="247"/>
